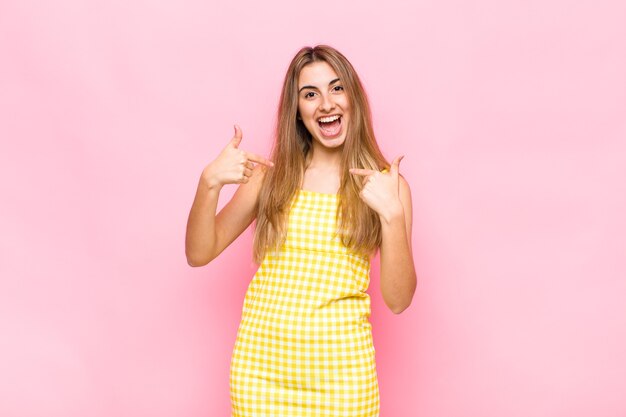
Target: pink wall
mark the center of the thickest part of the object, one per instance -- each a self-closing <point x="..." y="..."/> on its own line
<point x="512" y="119"/>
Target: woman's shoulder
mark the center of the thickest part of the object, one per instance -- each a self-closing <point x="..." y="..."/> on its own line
<point x="258" y="173"/>
<point x="247" y="194"/>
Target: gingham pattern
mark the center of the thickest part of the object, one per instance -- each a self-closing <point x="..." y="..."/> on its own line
<point x="304" y="345"/>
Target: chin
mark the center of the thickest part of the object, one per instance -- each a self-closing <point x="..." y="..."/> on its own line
<point x="332" y="143"/>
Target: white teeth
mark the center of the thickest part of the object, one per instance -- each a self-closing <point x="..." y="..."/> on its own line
<point x="328" y="119"/>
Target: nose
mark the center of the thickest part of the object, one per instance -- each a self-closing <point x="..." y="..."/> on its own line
<point x="327" y="103"/>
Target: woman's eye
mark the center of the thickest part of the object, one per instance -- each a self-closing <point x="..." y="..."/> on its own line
<point x="309" y="94"/>
<point x="338" y="88"/>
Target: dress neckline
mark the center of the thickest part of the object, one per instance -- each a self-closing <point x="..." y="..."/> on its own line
<point x="318" y="193"/>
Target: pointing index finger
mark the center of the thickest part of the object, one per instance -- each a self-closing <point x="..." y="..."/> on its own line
<point x="259" y="159"/>
<point x="358" y="171"/>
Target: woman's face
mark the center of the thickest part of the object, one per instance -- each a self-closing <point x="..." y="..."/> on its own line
<point x="323" y="104"/>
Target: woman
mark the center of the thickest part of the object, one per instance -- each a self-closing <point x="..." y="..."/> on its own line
<point x="322" y="208"/>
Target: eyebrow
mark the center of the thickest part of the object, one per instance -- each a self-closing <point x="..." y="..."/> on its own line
<point x="315" y="88"/>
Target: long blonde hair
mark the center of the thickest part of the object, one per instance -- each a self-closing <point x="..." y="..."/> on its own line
<point x="358" y="225"/>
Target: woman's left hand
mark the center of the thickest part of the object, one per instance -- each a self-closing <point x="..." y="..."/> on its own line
<point x="381" y="190"/>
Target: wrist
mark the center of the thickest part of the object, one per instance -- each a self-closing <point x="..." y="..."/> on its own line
<point x="392" y="213"/>
<point x="209" y="180"/>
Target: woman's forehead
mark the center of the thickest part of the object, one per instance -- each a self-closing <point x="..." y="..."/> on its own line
<point x="318" y="74"/>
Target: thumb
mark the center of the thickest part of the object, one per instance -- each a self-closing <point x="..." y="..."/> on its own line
<point x="395" y="166"/>
<point x="236" y="140"/>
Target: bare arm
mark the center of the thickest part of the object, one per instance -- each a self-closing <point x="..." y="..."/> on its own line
<point x="209" y="234"/>
<point x="397" y="271"/>
<point x="389" y="195"/>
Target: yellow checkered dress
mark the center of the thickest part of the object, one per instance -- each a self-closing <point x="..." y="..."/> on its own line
<point x="304" y="345"/>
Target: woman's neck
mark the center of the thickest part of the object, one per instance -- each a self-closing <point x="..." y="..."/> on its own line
<point x="324" y="158"/>
<point x="322" y="172"/>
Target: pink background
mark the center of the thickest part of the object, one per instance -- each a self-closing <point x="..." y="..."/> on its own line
<point x="512" y="119"/>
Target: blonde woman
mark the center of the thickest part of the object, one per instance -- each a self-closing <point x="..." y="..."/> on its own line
<point x="324" y="203"/>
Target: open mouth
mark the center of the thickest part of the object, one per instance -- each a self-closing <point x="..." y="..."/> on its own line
<point x="330" y="126"/>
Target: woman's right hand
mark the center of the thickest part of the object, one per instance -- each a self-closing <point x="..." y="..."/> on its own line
<point x="232" y="165"/>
